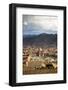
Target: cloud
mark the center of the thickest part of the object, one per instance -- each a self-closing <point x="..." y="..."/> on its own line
<point x="40" y="24"/>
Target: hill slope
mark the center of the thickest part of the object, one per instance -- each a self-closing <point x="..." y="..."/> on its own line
<point x="41" y="40"/>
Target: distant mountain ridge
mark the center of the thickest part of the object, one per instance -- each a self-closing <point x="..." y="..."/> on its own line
<point x="41" y="40"/>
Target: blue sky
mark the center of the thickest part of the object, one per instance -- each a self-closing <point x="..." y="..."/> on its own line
<point x="36" y="24"/>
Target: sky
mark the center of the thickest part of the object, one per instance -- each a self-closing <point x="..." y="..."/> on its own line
<point x="37" y="24"/>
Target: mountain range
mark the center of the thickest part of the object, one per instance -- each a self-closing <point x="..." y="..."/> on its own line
<point x="40" y="40"/>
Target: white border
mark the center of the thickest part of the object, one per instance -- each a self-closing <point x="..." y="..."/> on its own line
<point x="43" y="77"/>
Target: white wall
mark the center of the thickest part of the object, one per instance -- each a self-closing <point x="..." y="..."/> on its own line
<point x="4" y="44"/>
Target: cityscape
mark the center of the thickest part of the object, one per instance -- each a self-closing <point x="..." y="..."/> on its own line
<point x="39" y="45"/>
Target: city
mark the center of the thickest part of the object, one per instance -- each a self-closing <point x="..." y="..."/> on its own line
<point x="39" y="60"/>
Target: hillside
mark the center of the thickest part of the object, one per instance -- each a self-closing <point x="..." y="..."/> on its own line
<point x="41" y="40"/>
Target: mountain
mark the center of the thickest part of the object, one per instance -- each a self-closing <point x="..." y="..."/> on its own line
<point x="41" y="40"/>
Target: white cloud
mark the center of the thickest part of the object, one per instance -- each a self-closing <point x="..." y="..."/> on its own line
<point x="47" y="23"/>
